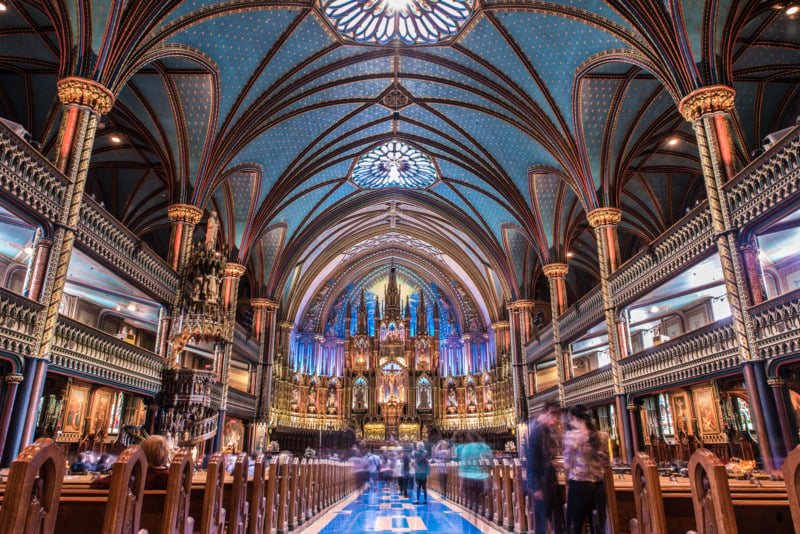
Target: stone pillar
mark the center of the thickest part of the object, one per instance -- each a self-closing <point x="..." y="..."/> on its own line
<point x="556" y="274"/>
<point x="184" y="218"/>
<point x="264" y="329"/>
<point x="605" y="221"/>
<point x="636" y="426"/>
<point x="780" y="394"/>
<point x="709" y="110"/>
<point x="37" y="269"/>
<point x="13" y="381"/>
<point x="754" y="272"/>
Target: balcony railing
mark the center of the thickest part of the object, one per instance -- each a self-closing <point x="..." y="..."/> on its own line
<point x="589" y="388"/>
<point x="17" y="323"/>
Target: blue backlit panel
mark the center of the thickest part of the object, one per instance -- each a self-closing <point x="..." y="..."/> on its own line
<point x="394" y="164"/>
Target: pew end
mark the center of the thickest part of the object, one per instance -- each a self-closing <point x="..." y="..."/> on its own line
<point x="126" y="492"/>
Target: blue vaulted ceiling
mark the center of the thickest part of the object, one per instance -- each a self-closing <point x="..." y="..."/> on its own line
<point x="534" y="113"/>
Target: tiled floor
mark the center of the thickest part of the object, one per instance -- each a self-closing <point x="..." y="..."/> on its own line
<point x="388" y="511"/>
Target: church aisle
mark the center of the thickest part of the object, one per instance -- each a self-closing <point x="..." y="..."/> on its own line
<point x="388" y="511"/>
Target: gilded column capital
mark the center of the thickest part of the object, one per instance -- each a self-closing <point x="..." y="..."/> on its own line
<point x="184" y="213"/>
<point x="286" y="325"/>
<point x="263" y="304"/>
<point x="633" y="408"/>
<point x="711" y="99"/>
<point x="499" y="325"/>
<point x="233" y="270"/>
<point x="604" y="217"/>
<point x="14" y="378"/>
<point x="776" y="382"/>
<point x="521" y="304"/>
<point x="555" y="270"/>
<point x="74" y="90"/>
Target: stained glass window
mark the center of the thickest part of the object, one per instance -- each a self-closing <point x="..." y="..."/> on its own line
<point x="412" y="21"/>
<point x="394" y="164"/>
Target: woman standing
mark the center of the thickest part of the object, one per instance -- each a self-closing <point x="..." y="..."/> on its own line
<point x="422" y="469"/>
<point x="585" y="460"/>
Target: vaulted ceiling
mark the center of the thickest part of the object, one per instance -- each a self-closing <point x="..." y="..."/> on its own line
<point x="533" y="113"/>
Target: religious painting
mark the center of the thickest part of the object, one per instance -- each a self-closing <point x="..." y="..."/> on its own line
<point x="77" y="398"/>
<point x="392" y="384"/>
<point x="233" y="435"/>
<point x="681" y="413"/>
<point x="707" y="413"/>
<point x="102" y="402"/>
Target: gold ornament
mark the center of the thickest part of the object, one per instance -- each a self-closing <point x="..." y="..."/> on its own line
<point x="604" y="217"/>
<point x="85" y="92"/>
<point x="234" y="270"/>
<point x="263" y="304"/>
<point x="184" y="213"/>
<point x="555" y="270"/>
<point x="14" y="378"/>
<point x="711" y="99"/>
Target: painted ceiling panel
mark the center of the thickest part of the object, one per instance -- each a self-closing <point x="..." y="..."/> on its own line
<point x="237" y="43"/>
<point x="351" y="131"/>
<point x="456" y="172"/>
<point x="543" y="196"/>
<point x="154" y="92"/>
<point x="425" y="90"/>
<point x="595" y="96"/>
<point x="363" y="90"/>
<point x="757" y="57"/>
<point x="517" y="249"/>
<point x="545" y="49"/>
<point x="294" y="213"/>
<point x="493" y="213"/>
<point x="439" y="126"/>
<point x="515" y="150"/>
<point x="429" y="69"/>
<point x="196" y="95"/>
<point x="279" y="145"/>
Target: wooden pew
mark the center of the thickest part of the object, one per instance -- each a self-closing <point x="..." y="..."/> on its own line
<point x="711" y="496"/>
<point x="168" y="512"/>
<point x="271" y="517"/>
<point x="294" y="472"/>
<point x="508" y="500"/>
<point x="305" y="482"/>
<point x="283" y="493"/>
<point x="239" y="507"/>
<point x="650" y="518"/>
<point x="257" y="496"/>
<point x="497" y="478"/>
<point x="33" y="489"/>
<point x="791" y="474"/>
<point x="126" y="493"/>
<point x="213" y="516"/>
<point x="520" y="510"/>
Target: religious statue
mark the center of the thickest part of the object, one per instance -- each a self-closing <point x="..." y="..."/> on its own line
<point x="212" y="229"/>
<point x="359" y="399"/>
<point x="331" y="402"/>
<point x="312" y="400"/>
<point x="212" y="289"/>
<point x="452" y="402"/>
<point x="424" y="401"/>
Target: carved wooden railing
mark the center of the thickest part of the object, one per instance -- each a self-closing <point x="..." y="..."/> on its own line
<point x="241" y="403"/>
<point x="80" y="349"/>
<point x="187" y="386"/>
<point x="536" y="402"/>
<point x="32" y="181"/>
<point x="17" y="323"/>
<point x="109" y="239"/>
<point x="190" y="398"/>
<point x="777" y="325"/>
<point x="702" y="352"/>
<point x="590" y="388"/>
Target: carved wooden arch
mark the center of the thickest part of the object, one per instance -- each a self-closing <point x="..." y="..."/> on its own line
<point x="213" y="520"/>
<point x="124" y="508"/>
<point x="33" y="489"/>
<point x="711" y="495"/>
<point x="650" y="518"/>
<point x="791" y="474"/>
<point x="176" y="519"/>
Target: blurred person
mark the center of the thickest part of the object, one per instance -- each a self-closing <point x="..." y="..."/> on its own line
<point x="585" y="460"/>
<point x="156" y="452"/>
<point x="544" y="438"/>
<point x="474" y="477"/>
<point x="81" y="464"/>
<point x="373" y="468"/>
<point x="405" y="473"/>
<point x="422" y="469"/>
<point x="441" y="453"/>
<point x="104" y="463"/>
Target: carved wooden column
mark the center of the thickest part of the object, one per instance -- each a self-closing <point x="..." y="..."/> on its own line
<point x="184" y="218"/>
<point x="556" y="274"/>
<point x="709" y="110"/>
<point x="754" y="272"/>
<point x="605" y="221"/>
<point x="264" y="329"/>
<point x="779" y="392"/>
<point x="13" y="381"/>
<point x="636" y="426"/>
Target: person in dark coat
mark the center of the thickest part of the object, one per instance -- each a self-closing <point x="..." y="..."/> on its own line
<point x="544" y="441"/>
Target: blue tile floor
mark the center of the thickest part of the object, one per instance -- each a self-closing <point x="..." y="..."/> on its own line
<point x="387" y="511"/>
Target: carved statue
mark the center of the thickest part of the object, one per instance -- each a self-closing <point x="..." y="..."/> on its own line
<point x="212" y="289"/>
<point x="212" y="229"/>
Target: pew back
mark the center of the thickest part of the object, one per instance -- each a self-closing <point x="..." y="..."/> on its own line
<point x="126" y="492"/>
<point x="258" y="500"/>
<point x="650" y="518"/>
<point x="176" y="518"/>
<point x="711" y="496"/>
<point x="791" y="474"/>
<point x="213" y="518"/>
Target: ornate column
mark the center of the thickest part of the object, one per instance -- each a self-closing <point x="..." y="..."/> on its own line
<point x="754" y="272"/>
<point x="229" y="294"/>
<point x="184" y="218"/>
<point x="13" y="381"/>
<point x="37" y="269"/>
<point x="517" y="341"/>
<point x="264" y="328"/>
<point x="605" y="221"/>
<point x="780" y="394"/>
<point x="636" y="426"/>
<point x="709" y="110"/>
<point x="556" y="274"/>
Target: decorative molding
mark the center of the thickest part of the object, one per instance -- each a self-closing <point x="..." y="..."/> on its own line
<point x="555" y="270"/>
<point x="234" y="270"/>
<point x="14" y="378"/>
<point x="184" y="213"/>
<point x="83" y="92"/>
<point x="711" y="99"/>
<point x="604" y="217"/>
<point x="264" y="304"/>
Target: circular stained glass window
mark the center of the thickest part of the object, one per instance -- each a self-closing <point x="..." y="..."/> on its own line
<point x="412" y="21"/>
<point x="394" y="164"/>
